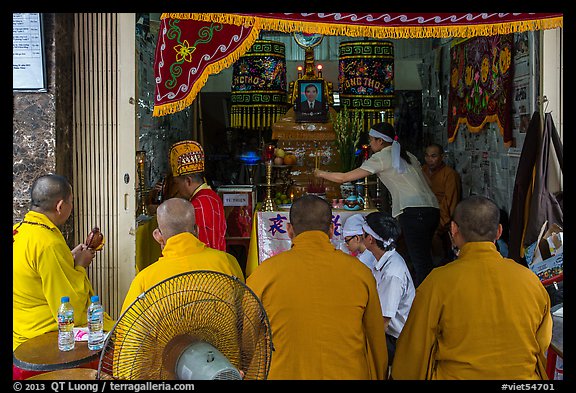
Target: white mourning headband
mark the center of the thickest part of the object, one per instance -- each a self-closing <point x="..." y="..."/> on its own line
<point x="397" y="162"/>
<point x="371" y="232"/>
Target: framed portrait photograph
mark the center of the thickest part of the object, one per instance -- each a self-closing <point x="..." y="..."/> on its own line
<point x="311" y="105"/>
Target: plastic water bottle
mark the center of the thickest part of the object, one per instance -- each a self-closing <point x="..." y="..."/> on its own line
<point x="95" y="324"/>
<point x="65" y="325"/>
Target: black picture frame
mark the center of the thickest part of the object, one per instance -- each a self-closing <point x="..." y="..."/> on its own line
<point x="318" y="111"/>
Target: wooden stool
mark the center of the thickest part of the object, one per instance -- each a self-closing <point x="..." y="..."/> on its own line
<point x="41" y="354"/>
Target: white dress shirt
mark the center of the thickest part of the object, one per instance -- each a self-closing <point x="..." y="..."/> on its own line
<point x="395" y="289"/>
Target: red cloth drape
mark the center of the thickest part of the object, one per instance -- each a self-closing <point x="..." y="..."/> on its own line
<point x="192" y="46"/>
<point x="187" y="52"/>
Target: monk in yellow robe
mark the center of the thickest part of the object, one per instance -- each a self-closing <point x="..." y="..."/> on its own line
<point x="45" y="269"/>
<point x="322" y="304"/>
<point x="445" y="183"/>
<point x="481" y="316"/>
<point x="181" y="250"/>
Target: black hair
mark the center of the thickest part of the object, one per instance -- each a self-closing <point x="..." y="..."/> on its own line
<point x="311" y="85"/>
<point x="385" y="226"/>
<point x="388" y="130"/>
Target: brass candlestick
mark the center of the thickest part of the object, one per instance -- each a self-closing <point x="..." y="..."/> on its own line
<point x="141" y="159"/>
<point x="368" y="204"/>
<point x="268" y="204"/>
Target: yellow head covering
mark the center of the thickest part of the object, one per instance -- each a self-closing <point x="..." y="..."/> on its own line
<point x="186" y="157"/>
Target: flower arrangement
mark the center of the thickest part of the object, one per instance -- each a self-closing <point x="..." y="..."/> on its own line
<point x="348" y="126"/>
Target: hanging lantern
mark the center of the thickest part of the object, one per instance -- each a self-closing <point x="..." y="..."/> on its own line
<point x="259" y="94"/>
<point x="366" y="77"/>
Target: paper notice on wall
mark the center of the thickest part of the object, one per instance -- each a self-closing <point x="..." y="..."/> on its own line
<point x="27" y="53"/>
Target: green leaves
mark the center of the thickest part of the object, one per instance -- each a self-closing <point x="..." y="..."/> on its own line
<point x="348" y="126"/>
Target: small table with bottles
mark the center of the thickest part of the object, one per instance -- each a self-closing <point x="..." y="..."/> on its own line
<point x="40" y="354"/>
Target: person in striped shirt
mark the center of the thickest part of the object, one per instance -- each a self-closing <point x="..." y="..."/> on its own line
<point x="187" y="164"/>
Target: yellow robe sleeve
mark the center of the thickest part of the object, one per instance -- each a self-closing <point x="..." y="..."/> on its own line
<point x="61" y="278"/>
<point x="375" y="338"/>
<point x="136" y="288"/>
<point x="544" y="337"/>
<point x="416" y="345"/>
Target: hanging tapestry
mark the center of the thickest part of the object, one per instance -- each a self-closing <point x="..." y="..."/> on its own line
<point x="192" y="46"/>
<point x="480" y="85"/>
<point x="366" y="77"/>
<point x="187" y="52"/>
<point x="259" y="94"/>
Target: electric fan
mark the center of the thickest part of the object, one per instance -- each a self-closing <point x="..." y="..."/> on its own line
<point x="195" y="325"/>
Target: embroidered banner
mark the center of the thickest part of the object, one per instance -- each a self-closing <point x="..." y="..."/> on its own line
<point x="481" y="85"/>
<point x="366" y="77"/>
<point x="187" y="52"/>
<point x="192" y="46"/>
<point x="259" y="86"/>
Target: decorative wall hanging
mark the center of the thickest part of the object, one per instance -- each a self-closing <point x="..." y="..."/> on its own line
<point x="259" y="94"/>
<point x="366" y="77"/>
<point x="192" y="46"/>
<point x="481" y="85"/>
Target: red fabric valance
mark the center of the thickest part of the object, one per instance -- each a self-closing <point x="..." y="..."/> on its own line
<point x="191" y="46"/>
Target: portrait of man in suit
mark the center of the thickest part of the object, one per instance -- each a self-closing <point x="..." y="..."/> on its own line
<point x="309" y="102"/>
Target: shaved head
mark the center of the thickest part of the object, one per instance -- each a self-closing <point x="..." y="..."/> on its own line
<point x="176" y="215"/>
<point x="310" y="213"/>
<point x="48" y="190"/>
<point x="478" y="218"/>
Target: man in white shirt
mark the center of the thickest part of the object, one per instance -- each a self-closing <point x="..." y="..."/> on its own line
<point x="394" y="282"/>
<point x="311" y="104"/>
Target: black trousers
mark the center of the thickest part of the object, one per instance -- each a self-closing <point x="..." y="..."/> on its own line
<point x="391" y="346"/>
<point x="418" y="226"/>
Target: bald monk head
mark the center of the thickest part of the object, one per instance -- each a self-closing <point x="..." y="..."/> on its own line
<point x="310" y="213"/>
<point x="52" y="196"/>
<point x="175" y="216"/>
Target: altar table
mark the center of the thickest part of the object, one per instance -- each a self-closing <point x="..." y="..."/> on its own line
<point x="269" y="236"/>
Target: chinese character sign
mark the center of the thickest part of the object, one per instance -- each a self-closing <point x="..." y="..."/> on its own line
<point x="273" y="237"/>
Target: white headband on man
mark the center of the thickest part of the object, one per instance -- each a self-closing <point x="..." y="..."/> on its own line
<point x="398" y="162"/>
<point x="371" y="232"/>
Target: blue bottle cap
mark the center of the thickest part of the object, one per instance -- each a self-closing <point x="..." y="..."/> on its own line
<point x="65" y="299"/>
<point x="94" y="298"/>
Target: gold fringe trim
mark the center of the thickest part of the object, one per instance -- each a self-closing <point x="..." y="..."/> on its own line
<point x="289" y="26"/>
<point x="487" y="119"/>
<point x="214" y="68"/>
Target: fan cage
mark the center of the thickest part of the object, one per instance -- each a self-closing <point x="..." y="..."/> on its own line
<point x="213" y="307"/>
